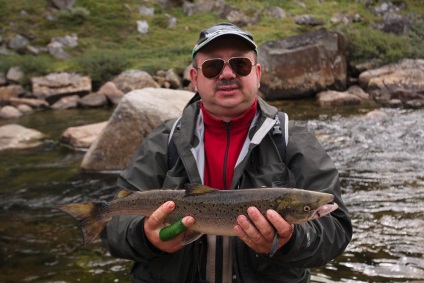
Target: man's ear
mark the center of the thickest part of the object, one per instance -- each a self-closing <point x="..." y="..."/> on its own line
<point x="193" y="78"/>
<point x="258" y="70"/>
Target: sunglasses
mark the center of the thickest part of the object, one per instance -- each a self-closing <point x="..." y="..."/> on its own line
<point x="212" y="68"/>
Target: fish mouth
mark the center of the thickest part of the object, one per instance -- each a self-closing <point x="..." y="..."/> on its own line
<point x="322" y="211"/>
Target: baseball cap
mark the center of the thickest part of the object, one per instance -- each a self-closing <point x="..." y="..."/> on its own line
<point x="223" y="30"/>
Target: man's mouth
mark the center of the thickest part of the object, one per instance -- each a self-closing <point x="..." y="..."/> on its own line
<point x="228" y="85"/>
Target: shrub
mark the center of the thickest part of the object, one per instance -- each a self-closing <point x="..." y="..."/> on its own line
<point x="30" y="65"/>
<point x="367" y="43"/>
<point x="76" y="15"/>
<point x="101" y="66"/>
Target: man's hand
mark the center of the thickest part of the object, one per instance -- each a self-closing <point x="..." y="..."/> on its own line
<point x="260" y="234"/>
<point x="155" y="222"/>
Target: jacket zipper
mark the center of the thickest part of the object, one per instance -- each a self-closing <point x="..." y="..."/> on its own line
<point x="227" y="128"/>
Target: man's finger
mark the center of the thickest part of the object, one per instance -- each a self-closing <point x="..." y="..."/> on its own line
<point x="158" y="216"/>
<point x="172" y="230"/>
<point x="262" y="224"/>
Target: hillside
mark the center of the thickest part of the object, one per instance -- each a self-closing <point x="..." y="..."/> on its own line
<point x="108" y="41"/>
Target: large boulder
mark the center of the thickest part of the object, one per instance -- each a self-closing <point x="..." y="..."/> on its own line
<point x="303" y="65"/>
<point x="385" y="83"/>
<point x="57" y="85"/>
<point x="13" y="136"/>
<point x="136" y="115"/>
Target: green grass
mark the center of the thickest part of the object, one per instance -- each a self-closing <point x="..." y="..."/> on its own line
<point x="107" y="32"/>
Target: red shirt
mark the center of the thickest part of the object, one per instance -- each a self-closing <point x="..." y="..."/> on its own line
<point x="223" y="142"/>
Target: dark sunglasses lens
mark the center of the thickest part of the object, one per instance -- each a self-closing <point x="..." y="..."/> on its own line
<point x="212" y="68"/>
<point x="241" y="66"/>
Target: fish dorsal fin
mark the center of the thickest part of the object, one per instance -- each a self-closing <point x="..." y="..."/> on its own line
<point x="123" y="193"/>
<point x="198" y="189"/>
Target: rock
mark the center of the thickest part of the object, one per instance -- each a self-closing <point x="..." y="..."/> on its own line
<point x="83" y="136"/>
<point x="376" y="115"/>
<point x="18" y="43"/>
<point x="7" y="92"/>
<point x="201" y="6"/>
<point x="94" y="99"/>
<point x="274" y="12"/>
<point x="56" y="85"/>
<point x="336" y="98"/>
<point x="172" y="21"/>
<point x="134" y="79"/>
<point x="137" y="114"/>
<point x="357" y="91"/>
<point x="346" y="19"/>
<point x="113" y="94"/>
<point x="70" y="41"/>
<point x="395" y="23"/>
<point x="56" y="50"/>
<point x="168" y="79"/>
<point x="415" y="103"/>
<point x="381" y="83"/>
<point x="15" y="75"/>
<point x="173" y="79"/>
<point x="3" y="80"/>
<point x="239" y="18"/>
<point x="308" y="20"/>
<point x="10" y="112"/>
<point x="303" y="65"/>
<point x="146" y="11"/>
<point x="25" y="109"/>
<point x="142" y="27"/>
<point x="66" y="102"/>
<point x="31" y="102"/>
<point x="388" y="7"/>
<point x="394" y="103"/>
<point x="14" y="136"/>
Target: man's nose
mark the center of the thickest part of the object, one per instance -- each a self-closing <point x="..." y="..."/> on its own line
<point x="227" y="72"/>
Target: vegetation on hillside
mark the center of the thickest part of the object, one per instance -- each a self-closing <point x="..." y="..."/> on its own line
<point x="108" y="40"/>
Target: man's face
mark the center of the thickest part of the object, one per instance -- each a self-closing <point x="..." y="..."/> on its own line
<point x="228" y="95"/>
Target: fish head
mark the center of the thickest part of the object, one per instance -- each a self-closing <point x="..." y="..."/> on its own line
<point x="301" y="206"/>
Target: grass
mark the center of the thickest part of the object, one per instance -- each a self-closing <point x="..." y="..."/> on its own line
<point x="107" y="33"/>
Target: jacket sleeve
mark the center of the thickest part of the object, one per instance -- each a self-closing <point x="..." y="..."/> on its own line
<point x="123" y="236"/>
<point x="316" y="242"/>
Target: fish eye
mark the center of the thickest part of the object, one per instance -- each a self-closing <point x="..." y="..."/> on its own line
<point x="306" y="208"/>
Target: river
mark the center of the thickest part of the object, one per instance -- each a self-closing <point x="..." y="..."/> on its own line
<point x="381" y="165"/>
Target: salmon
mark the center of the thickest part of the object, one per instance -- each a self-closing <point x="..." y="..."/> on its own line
<point x="215" y="211"/>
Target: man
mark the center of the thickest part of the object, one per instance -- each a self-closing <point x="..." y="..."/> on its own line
<point x="224" y="140"/>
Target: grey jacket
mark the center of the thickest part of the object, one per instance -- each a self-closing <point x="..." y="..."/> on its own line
<point x="308" y="166"/>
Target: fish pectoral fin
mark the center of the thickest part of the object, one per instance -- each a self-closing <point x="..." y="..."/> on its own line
<point x="198" y="189"/>
<point x="274" y="247"/>
<point x="190" y="237"/>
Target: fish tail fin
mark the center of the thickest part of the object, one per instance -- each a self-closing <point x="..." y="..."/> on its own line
<point x="86" y="214"/>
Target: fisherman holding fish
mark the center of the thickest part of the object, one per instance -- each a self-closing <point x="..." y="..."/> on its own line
<point x="245" y="231"/>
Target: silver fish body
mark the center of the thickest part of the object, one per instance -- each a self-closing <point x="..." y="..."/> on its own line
<point x="215" y="211"/>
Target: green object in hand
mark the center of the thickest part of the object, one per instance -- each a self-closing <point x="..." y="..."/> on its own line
<point x="172" y="231"/>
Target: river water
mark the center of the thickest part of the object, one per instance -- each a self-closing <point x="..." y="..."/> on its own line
<point x="381" y="165"/>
